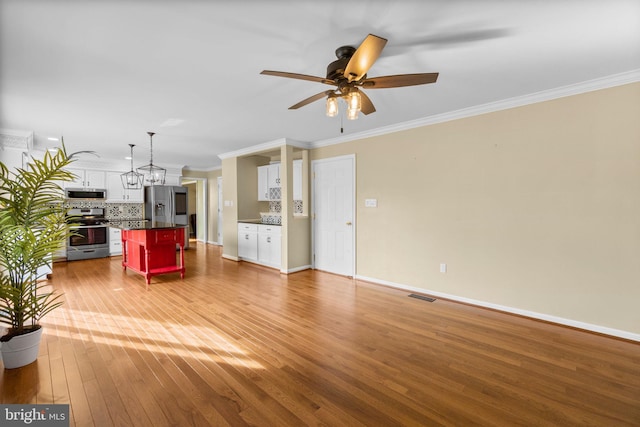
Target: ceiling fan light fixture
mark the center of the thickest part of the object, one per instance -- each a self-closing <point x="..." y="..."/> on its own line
<point x="332" y="106"/>
<point x="354" y="100"/>
<point x="352" y="114"/>
<point x="349" y="73"/>
<point x="354" y="104"/>
<point x="154" y="175"/>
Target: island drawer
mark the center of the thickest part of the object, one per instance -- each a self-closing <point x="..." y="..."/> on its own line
<point x="168" y="236"/>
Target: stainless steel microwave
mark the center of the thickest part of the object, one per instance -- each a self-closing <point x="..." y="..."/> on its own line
<point x="85" y="193"/>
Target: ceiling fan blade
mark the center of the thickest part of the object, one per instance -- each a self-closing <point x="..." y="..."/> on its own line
<point x="311" y="99"/>
<point x="366" y="104"/>
<point x="364" y="57"/>
<point x="298" y="76"/>
<point x="400" y="80"/>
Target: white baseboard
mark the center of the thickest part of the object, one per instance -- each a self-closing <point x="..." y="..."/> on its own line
<point x="540" y="316"/>
<point x="209" y="242"/>
<point x="232" y="258"/>
<point x="296" y="269"/>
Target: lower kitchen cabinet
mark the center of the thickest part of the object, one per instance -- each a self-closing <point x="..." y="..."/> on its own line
<point x="115" y="241"/>
<point x="248" y="241"/>
<point x="269" y="245"/>
<point x="260" y="243"/>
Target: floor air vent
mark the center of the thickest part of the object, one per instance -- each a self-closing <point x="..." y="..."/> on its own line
<point x="422" y="297"/>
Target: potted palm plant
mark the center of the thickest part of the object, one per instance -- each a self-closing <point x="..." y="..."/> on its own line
<point x="33" y="225"/>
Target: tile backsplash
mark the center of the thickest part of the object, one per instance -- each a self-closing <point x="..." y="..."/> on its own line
<point x="275" y="193"/>
<point x="275" y="206"/>
<point x="124" y="211"/>
<point x="111" y="210"/>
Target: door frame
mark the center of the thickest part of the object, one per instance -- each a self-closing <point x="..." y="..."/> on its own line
<point x="351" y="157"/>
<point x="202" y="203"/>
<point x="219" y="231"/>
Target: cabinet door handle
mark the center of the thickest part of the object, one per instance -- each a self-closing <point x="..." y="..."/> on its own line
<point x="348" y="222"/>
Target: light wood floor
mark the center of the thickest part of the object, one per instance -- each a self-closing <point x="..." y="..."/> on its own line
<point x="237" y="344"/>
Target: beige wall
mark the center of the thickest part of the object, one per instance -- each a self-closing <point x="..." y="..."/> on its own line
<point x="230" y="213"/>
<point x="248" y="205"/>
<point x="299" y="226"/>
<point x="535" y="208"/>
<point x="296" y="230"/>
<point x="212" y="199"/>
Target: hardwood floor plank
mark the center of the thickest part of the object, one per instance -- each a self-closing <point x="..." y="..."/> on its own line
<point x="238" y="344"/>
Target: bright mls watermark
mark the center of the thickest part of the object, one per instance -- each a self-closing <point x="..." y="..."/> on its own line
<point x="34" y="415"/>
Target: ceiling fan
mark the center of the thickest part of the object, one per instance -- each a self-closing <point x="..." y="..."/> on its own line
<point x="349" y="74"/>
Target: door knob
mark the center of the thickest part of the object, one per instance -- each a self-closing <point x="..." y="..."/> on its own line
<point x="348" y="222"/>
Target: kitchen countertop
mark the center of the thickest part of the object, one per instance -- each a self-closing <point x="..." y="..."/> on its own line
<point x="250" y="221"/>
<point x="255" y="221"/>
<point x="142" y="224"/>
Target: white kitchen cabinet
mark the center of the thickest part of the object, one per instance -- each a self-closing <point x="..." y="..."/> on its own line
<point x="116" y="193"/>
<point x="263" y="183"/>
<point x="260" y="243"/>
<point x="171" y="179"/>
<point x="268" y="177"/>
<point x="274" y="175"/>
<point x="248" y="241"/>
<point x="270" y="245"/>
<point x="86" y="178"/>
<point x="297" y="180"/>
<point x="115" y="241"/>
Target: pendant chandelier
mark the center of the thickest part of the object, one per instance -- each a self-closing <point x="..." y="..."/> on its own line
<point x="153" y="174"/>
<point x="132" y="180"/>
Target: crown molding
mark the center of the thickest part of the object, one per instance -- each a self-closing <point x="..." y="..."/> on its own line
<point x="266" y="146"/>
<point x="209" y="169"/>
<point x="620" y="79"/>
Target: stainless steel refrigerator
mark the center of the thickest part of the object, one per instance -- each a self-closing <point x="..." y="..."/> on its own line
<point x="166" y="203"/>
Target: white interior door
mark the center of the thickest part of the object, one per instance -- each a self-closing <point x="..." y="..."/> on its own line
<point x="334" y="215"/>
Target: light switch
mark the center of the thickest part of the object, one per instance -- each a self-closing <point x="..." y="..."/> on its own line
<point x="371" y="203"/>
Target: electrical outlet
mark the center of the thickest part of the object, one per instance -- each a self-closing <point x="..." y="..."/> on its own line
<point x="443" y="268"/>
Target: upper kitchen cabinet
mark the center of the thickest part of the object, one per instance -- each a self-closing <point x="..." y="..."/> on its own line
<point x="118" y="194"/>
<point x="268" y="177"/>
<point x="263" y="183"/>
<point x="274" y="175"/>
<point x="297" y="180"/>
<point x="86" y="178"/>
<point x="172" y="179"/>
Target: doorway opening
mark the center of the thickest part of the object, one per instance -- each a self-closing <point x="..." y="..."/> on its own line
<point x="197" y="208"/>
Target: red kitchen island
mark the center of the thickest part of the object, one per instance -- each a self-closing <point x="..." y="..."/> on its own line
<point x="149" y="247"/>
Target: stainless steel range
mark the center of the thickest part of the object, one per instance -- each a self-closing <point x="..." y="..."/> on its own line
<point x="90" y="237"/>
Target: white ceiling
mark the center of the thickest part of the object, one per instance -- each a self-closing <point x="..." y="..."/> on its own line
<point x="103" y="73"/>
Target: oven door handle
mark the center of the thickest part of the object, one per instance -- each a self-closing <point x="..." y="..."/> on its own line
<point x="88" y="226"/>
